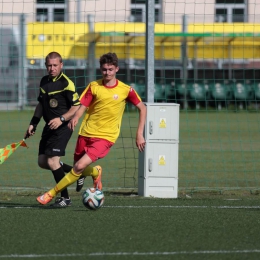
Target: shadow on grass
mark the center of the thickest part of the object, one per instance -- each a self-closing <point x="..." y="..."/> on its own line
<point x="12" y="205"/>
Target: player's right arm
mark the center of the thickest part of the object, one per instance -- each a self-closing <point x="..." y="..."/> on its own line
<point x="74" y="121"/>
<point x="85" y="100"/>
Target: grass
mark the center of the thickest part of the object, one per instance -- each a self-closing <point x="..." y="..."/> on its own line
<point x="218" y="150"/>
<point x="132" y="227"/>
<point x="216" y="215"/>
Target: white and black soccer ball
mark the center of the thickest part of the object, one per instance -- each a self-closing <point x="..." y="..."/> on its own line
<point x="93" y="198"/>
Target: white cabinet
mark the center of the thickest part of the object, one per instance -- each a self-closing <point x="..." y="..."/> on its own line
<point x="162" y="123"/>
<point x="158" y="164"/>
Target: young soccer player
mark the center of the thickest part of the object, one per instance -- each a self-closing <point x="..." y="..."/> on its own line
<point x="104" y="102"/>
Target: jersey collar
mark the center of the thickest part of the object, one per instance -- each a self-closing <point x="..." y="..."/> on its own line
<point x="56" y="78"/>
<point x="110" y="86"/>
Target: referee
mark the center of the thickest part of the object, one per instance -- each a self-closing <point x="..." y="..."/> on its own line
<point x="58" y="102"/>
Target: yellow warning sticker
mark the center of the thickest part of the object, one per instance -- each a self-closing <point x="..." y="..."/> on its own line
<point x="162" y="160"/>
<point x="162" y="123"/>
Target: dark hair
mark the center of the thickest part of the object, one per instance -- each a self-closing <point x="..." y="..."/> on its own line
<point x="109" y="58"/>
<point x="53" y="55"/>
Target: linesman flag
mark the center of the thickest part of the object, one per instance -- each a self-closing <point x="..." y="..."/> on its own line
<point x="9" y="149"/>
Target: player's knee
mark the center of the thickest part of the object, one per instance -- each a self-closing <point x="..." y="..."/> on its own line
<point x="79" y="167"/>
<point x="42" y="165"/>
<point x="42" y="162"/>
<point x="53" y="163"/>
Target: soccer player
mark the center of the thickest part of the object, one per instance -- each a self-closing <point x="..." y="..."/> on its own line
<point x="104" y="102"/>
<point x="57" y="103"/>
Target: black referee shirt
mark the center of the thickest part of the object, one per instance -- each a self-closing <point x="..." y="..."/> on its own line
<point x="57" y="96"/>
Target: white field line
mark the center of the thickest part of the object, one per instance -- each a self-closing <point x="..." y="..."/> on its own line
<point x="167" y="206"/>
<point x="135" y="253"/>
<point x="202" y="207"/>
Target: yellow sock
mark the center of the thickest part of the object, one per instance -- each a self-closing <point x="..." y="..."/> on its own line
<point x="66" y="181"/>
<point x="90" y="171"/>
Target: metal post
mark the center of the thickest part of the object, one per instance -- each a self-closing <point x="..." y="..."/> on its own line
<point x="91" y="51"/>
<point x="127" y="64"/>
<point x="162" y="73"/>
<point x="78" y="12"/>
<point x="22" y="91"/>
<point x="184" y="59"/>
<point x="149" y="51"/>
<point x="66" y="16"/>
<point x="229" y="61"/>
<point x="195" y="62"/>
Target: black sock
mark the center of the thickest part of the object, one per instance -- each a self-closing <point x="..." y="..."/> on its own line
<point x="58" y="175"/>
<point x="66" y="167"/>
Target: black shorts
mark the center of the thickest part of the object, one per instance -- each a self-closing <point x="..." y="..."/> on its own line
<point x="54" y="142"/>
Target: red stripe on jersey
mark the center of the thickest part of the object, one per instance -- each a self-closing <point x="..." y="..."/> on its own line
<point x="86" y="97"/>
<point x="133" y="97"/>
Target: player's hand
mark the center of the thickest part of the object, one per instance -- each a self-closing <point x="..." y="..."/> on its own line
<point x="140" y="142"/>
<point x="30" y="131"/>
<point x="72" y="123"/>
<point x="55" y="123"/>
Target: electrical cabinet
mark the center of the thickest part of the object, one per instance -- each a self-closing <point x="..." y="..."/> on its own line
<point x="158" y="164"/>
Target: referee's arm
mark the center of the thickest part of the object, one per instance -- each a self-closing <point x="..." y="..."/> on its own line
<point x="68" y="115"/>
<point x="56" y="122"/>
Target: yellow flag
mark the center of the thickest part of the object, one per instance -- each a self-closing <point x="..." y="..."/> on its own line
<point x="9" y="149"/>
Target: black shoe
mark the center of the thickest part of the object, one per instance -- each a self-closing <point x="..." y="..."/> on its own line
<point x="80" y="183"/>
<point x="61" y="202"/>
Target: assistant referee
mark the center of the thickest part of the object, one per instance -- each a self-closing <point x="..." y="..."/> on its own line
<point x="58" y="102"/>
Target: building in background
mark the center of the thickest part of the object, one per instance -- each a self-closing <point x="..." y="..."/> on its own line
<point x="198" y="11"/>
<point x="47" y="13"/>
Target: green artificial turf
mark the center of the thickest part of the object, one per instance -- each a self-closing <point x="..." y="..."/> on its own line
<point x="132" y="227"/>
<point x="218" y="150"/>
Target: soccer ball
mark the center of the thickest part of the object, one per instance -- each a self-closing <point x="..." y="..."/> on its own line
<point x="93" y="198"/>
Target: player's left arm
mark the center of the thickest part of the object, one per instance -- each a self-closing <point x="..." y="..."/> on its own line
<point x="140" y="141"/>
<point x="135" y="99"/>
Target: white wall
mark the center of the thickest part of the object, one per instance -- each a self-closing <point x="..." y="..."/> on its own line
<point x="254" y="11"/>
<point x="198" y="11"/>
<point x="15" y="7"/>
<point x="102" y="10"/>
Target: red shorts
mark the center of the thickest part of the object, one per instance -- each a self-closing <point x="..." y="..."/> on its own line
<point x="95" y="148"/>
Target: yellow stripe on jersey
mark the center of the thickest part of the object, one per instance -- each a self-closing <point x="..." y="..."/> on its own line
<point x="57" y="78"/>
<point x="75" y="97"/>
<point x="104" y="116"/>
<point x="71" y="85"/>
<point x="42" y="90"/>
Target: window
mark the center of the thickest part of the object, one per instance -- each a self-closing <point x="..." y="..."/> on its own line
<point x="138" y="10"/>
<point x="42" y="15"/>
<point x="50" y="1"/>
<point x="137" y="14"/>
<point x="230" y="1"/>
<point x="230" y="11"/>
<point x="58" y="15"/>
<point x="221" y="15"/>
<point x="143" y="1"/>
<point x="238" y="15"/>
<point x="50" y="11"/>
<point x="13" y="54"/>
